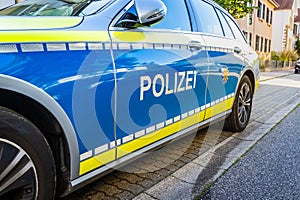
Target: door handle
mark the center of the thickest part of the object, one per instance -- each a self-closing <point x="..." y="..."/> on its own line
<point x="195" y="46"/>
<point x="237" y="50"/>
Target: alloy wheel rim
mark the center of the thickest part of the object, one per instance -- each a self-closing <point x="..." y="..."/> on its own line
<point x="244" y="104"/>
<point x="18" y="177"/>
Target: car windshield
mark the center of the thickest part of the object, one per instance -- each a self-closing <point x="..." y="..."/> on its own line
<point x="50" y="7"/>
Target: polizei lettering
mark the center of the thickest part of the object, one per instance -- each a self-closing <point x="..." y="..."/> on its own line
<point x="165" y="84"/>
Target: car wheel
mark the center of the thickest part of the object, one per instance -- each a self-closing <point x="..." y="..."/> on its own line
<point x="241" y="110"/>
<point x="296" y="71"/>
<point x="27" y="169"/>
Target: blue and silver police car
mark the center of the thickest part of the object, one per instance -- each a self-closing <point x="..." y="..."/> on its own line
<point x="86" y="85"/>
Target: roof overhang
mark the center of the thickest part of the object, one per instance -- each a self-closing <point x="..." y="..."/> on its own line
<point x="275" y="4"/>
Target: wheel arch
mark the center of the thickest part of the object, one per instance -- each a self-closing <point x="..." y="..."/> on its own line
<point x="48" y="116"/>
<point x="250" y="73"/>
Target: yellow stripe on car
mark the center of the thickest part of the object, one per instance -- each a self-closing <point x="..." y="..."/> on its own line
<point x="34" y="23"/>
<point x="53" y="36"/>
<point x="256" y="84"/>
<point x="219" y="108"/>
<point x="138" y="143"/>
<point x="97" y="161"/>
<point x="158" y="135"/>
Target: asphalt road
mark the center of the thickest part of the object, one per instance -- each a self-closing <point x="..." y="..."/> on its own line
<point x="183" y="169"/>
<point x="270" y="170"/>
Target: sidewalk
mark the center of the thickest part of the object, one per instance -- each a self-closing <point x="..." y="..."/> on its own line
<point x="271" y="170"/>
<point x="275" y="74"/>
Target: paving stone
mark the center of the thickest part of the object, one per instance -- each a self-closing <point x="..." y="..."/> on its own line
<point x="73" y="196"/>
<point x="110" y="179"/>
<point x="97" y="196"/>
<point x="203" y="149"/>
<point x="163" y="172"/>
<point x="166" y="160"/>
<point x="185" y="159"/>
<point x="189" y="173"/>
<point x="214" y="161"/>
<point x="131" y="168"/>
<point x="126" y="186"/>
<point x="171" y="167"/>
<point x="224" y="149"/>
<point x="131" y="178"/>
<point x="148" y="167"/>
<point x="159" y="164"/>
<point x="255" y="132"/>
<point x="110" y="198"/>
<point x="178" y="163"/>
<point x="125" y="195"/>
<point x="143" y="196"/>
<point x="146" y="183"/>
<point x="191" y="156"/>
<point x="151" y="176"/>
<point x="109" y="190"/>
<point x="165" y="189"/>
<point x="85" y="191"/>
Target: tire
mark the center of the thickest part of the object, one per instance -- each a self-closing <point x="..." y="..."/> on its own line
<point x="296" y="71"/>
<point x="241" y="110"/>
<point x="27" y="169"/>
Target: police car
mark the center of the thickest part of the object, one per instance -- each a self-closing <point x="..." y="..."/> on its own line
<point x="87" y="85"/>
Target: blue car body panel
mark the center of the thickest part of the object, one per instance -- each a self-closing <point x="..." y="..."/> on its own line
<point x="122" y="90"/>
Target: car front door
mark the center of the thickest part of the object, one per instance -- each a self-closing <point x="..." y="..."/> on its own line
<point x="160" y="77"/>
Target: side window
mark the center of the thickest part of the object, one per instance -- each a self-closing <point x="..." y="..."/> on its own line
<point x="237" y="32"/>
<point x="207" y="19"/>
<point x="177" y="17"/>
<point x="226" y="28"/>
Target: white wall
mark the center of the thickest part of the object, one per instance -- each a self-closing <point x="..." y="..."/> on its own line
<point x="4" y="3"/>
<point x="281" y="18"/>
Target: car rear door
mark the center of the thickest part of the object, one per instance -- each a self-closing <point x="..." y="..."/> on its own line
<point x="225" y="59"/>
<point x="160" y="78"/>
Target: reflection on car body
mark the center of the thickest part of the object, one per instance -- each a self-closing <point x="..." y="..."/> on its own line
<point x="86" y="85"/>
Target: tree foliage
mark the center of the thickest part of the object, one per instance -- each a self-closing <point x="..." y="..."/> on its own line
<point x="297" y="47"/>
<point x="237" y="8"/>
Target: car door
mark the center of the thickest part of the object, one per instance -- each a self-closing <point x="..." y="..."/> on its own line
<point x="160" y="78"/>
<point x="225" y="59"/>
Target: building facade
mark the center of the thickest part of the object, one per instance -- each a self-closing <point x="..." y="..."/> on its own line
<point x="296" y="30"/>
<point x="258" y="26"/>
<point x="284" y="30"/>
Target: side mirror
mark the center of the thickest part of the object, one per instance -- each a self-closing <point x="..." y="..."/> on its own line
<point x="150" y="11"/>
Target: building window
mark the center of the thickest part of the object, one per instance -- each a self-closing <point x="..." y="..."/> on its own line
<point x="261" y="44"/>
<point x="250" y="39"/>
<point x="269" y="50"/>
<point x="259" y="9"/>
<point x="263" y="11"/>
<point x="268" y="16"/>
<point x="271" y="16"/>
<point x="246" y="35"/>
<point x="257" y="43"/>
<point x="266" y="45"/>
<point x="250" y="21"/>
<point x="295" y="30"/>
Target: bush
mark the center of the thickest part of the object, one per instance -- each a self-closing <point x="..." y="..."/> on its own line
<point x="284" y="55"/>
